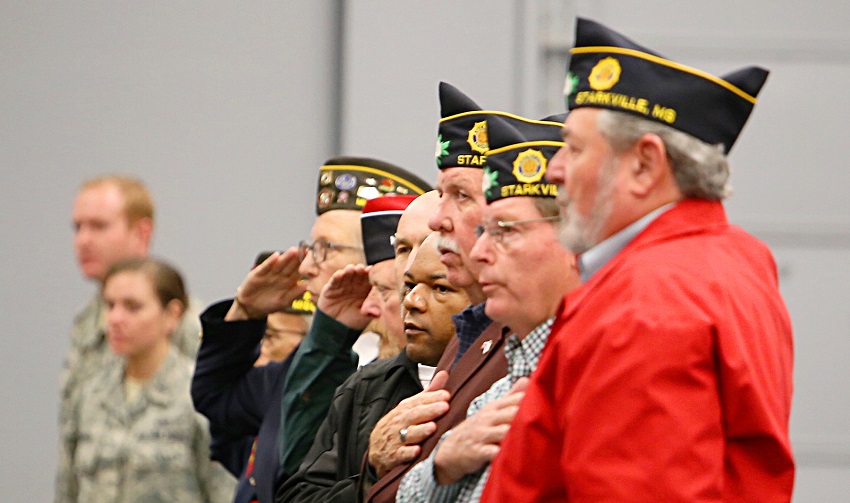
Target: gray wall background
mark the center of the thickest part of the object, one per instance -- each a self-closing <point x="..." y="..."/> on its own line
<point x="226" y="109"/>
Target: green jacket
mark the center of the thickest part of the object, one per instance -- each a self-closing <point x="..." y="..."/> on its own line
<point x="321" y="363"/>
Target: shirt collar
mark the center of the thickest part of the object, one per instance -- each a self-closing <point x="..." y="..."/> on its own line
<point x="426" y="373"/>
<point x="595" y="258"/>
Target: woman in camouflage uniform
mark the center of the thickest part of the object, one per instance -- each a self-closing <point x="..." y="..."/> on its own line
<point x="134" y="434"/>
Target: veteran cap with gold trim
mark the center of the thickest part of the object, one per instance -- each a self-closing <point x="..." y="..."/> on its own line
<point x="520" y="150"/>
<point x="378" y="223"/>
<point x="347" y="183"/>
<point x="462" y="137"/>
<point x="462" y="133"/>
<point x="607" y="70"/>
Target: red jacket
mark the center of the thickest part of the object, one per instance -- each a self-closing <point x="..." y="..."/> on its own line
<point x="667" y="377"/>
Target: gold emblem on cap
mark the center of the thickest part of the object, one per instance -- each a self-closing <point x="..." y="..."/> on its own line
<point x="529" y="166"/>
<point x="477" y="137"/>
<point x="604" y="75"/>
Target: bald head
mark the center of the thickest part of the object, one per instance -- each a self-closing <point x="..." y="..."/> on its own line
<point x="413" y="229"/>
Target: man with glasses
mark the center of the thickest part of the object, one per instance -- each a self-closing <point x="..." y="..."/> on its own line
<point x="524" y="272"/>
<point x="283" y="403"/>
<point x="316" y="269"/>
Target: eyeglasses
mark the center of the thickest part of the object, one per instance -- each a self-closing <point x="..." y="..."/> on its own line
<point x="272" y="333"/>
<point x="502" y="232"/>
<point x="319" y="249"/>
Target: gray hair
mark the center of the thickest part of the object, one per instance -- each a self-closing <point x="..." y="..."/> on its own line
<point x="701" y="170"/>
<point x="547" y="206"/>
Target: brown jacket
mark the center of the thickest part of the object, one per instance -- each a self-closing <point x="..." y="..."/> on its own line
<point x="483" y="364"/>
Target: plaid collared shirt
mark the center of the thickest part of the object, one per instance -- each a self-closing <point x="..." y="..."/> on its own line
<point x="419" y="485"/>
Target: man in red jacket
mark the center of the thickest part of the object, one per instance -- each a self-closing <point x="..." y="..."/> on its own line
<point x="668" y="374"/>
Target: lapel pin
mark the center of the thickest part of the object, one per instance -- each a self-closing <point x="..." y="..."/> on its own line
<point x="485" y="346"/>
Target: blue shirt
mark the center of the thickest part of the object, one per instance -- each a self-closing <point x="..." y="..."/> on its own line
<point x="595" y="258"/>
<point x="469" y="325"/>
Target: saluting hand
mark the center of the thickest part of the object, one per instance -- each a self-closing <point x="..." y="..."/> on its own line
<point x="268" y="288"/>
<point x="342" y="297"/>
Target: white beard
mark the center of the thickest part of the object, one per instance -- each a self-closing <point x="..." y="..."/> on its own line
<point x="579" y="233"/>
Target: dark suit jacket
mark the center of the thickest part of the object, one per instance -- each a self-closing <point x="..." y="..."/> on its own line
<point x="331" y="470"/>
<point x="239" y="400"/>
<point x="473" y="374"/>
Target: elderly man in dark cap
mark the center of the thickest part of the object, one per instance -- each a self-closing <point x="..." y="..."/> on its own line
<point x="283" y="403"/>
<point x="668" y="373"/>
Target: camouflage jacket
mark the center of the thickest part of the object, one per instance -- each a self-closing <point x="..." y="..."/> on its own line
<point x="88" y="350"/>
<point x="153" y="450"/>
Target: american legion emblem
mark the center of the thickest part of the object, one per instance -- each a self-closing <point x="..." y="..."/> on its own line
<point x="477" y="137"/>
<point x="529" y="166"/>
<point x="604" y="75"/>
